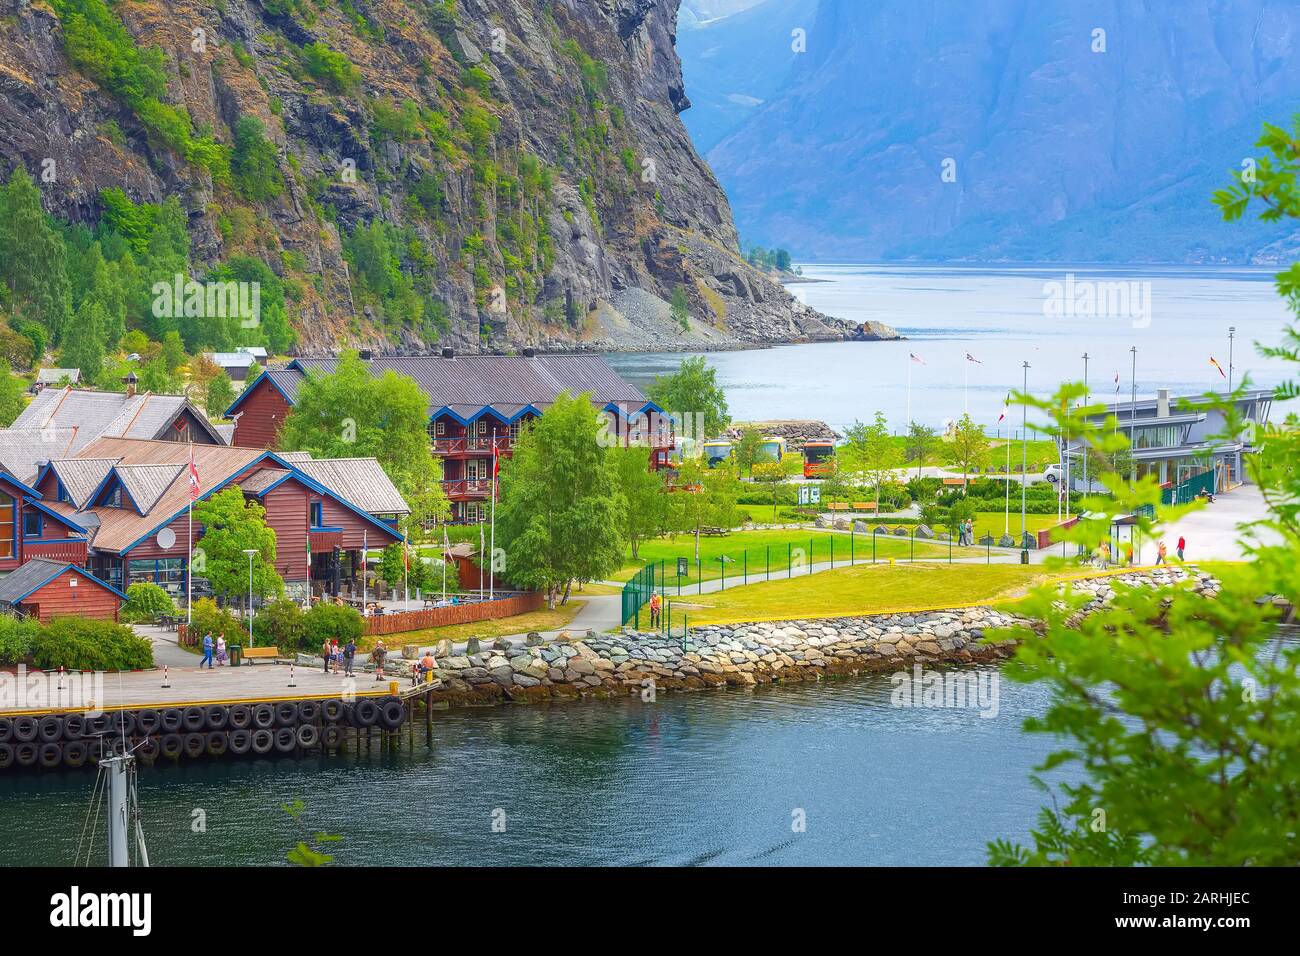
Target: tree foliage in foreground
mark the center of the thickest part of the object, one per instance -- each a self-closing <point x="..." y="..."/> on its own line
<point x="1178" y="711"/>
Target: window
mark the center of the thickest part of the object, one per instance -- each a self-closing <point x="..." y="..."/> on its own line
<point x="317" y="514"/>
<point x="8" y="511"/>
<point x="114" y="499"/>
<point x="514" y="431"/>
<point x="441" y="428"/>
<point x="31" y="523"/>
<point x="167" y="573"/>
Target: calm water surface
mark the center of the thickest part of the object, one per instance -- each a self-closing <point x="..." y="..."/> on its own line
<point x="691" y="779"/>
<point x="996" y="315"/>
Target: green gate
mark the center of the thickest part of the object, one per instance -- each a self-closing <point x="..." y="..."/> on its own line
<point x="636" y="593"/>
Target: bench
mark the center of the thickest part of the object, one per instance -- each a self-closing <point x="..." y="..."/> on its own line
<point x="714" y="532"/>
<point x="837" y="506"/>
<point x="864" y="506"/>
<point x="954" y="481"/>
<point x="260" y="653"/>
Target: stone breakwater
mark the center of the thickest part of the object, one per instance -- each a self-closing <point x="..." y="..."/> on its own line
<point x="743" y="655"/>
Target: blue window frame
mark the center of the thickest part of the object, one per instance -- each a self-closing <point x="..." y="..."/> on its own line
<point x="31" y="523"/>
<point x="317" y="514"/>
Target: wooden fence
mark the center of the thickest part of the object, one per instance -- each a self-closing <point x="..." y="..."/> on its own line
<point x="454" y="614"/>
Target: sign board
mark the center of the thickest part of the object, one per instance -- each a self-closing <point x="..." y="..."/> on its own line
<point x="810" y="494"/>
<point x="683" y="567"/>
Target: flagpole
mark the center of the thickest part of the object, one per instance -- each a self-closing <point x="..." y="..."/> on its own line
<point x="189" y="561"/>
<point x="1024" y="461"/>
<point x="365" y="555"/>
<point x="909" y="393"/>
<point x="966" y="389"/>
<point x="492" y="547"/>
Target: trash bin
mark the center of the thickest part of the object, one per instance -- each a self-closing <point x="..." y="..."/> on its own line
<point x="236" y="654"/>
<point x="1024" y="557"/>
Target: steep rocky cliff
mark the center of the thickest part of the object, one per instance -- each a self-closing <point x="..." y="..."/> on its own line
<point x="524" y="158"/>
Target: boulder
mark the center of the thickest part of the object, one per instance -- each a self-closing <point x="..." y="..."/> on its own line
<point x="1006" y="541"/>
<point x="471" y="646"/>
<point x="901" y="532"/>
<point x="533" y="639"/>
<point x="923" y="531"/>
<point x="442" y="649"/>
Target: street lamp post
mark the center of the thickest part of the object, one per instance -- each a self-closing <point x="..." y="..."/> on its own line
<point x="1083" y="445"/>
<point x="1232" y="334"/>
<point x="250" y="552"/>
<point x="1024" y="454"/>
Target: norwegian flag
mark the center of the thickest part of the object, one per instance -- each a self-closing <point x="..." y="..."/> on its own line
<point x="196" y="486"/>
<point x="496" y="460"/>
<point x="1117" y="383"/>
<point x="971" y="358"/>
<point x="916" y="358"/>
<point x="1005" y="405"/>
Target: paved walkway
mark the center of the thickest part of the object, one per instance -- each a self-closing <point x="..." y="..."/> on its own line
<point x="1212" y="532"/>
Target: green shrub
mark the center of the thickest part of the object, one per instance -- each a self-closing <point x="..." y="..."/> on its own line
<point x="281" y="623"/>
<point x="80" y="644"/>
<point x="330" y="67"/>
<point x="207" y="618"/>
<point x="146" y="602"/>
<point x="256" y="165"/>
<point x="333" y="622"/>
<point x="16" y="636"/>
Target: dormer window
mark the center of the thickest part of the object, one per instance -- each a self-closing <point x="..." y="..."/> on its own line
<point x="317" y="515"/>
<point x="114" y="499"/>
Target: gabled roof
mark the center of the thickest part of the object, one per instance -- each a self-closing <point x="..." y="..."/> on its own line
<point x="361" y="481"/>
<point x="81" y="476"/>
<point x="24" y="581"/>
<point x="24" y="450"/>
<point x="146" y="483"/>
<point x="263" y="480"/>
<point x="93" y="414"/>
<point x="476" y="381"/>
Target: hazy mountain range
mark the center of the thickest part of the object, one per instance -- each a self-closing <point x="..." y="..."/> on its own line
<point x="1062" y="142"/>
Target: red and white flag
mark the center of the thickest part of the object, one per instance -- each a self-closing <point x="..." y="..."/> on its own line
<point x="196" y="486"/>
<point x="1215" y="363"/>
<point x="971" y="358"/>
<point x="1005" y="406"/>
<point x="916" y="358"/>
<point x="1117" y="383"/>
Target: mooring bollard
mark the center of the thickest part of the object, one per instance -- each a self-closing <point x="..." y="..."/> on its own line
<point x="292" y="681"/>
<point x="60" y="677"/>
<point x="166" y="683"/>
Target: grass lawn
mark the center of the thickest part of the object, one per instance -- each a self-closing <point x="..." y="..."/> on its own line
<point x="752" y="549"/>
<point x="542" y="620"/>
<point x="863" y="589"/>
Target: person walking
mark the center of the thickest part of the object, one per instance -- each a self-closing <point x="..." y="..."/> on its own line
<point x="377" y="656"/>
<point x="1161" y="551"/>
<point x="326" y="654"/>
<point x="1128" y="554"/>
<point x="1182" y="545"/>
<point x="207" y="651"/>
<point x="349" y="655"/>
<point x="222" y="660"/>
<point x="970" y="532"/>
<point x="655" y="605"/>
<point x="334" y="656"/>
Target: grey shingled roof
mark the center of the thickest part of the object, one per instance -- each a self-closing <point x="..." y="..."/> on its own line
<point x="93" y="414"/>
<point x="20" y="582"/>
<point x="361" y="481"/>
<point x="259" y="481"/>
<point x="500" y="380"/>
<point x="24" y="450"/>
<point x="52" y="376"/>
<point x="146" y="483"/>
<point x="81" y="476"/>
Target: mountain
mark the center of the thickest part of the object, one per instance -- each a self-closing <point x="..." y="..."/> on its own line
<point x="1065" y="143"/>
<point x="737" y="63"/>
<point x="484" y="174"/>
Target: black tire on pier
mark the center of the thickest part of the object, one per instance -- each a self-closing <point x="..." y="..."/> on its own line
<point x="96" y="726"/>
<point x="6" y="755"/>
<point x="286" y="740"/>
<point x="239" y="717"/>
<point x="74" y="727"/>
<point x="6" y="730"/>
<point x="349" y="718"/>
<point x="308" y="736"/>
<point x="218" y="743"/>
<point x="308" y="711"/>
<point x="147" y="749"/>
<point x="194" y="719"/>
<point x="25" y="729"/>
<point x="25" y="754"/>
<point x="75" y="753"/>
<point x="148" y="722"/>
<point x="263" y="716"/>
<point x="366" y="713"/>
<point x="51" y="755"/>
<point x="217" y="717"/>
<point x="195" y="744"/>
<point x="172" y="719"/>
<point x="331" y="736"/>
<point x="123" y="722"/>
<point x="286" y="714"/>
<point x="392" y="714"/>
<point x="171" y="745"/>
<point x="241" y="742"/>
<point x="49" y="728"/>
<point x="263" y="741"/>
<point x="332" y="710"/>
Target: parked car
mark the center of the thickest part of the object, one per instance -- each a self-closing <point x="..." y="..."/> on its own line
<point x="1054" y="473"/>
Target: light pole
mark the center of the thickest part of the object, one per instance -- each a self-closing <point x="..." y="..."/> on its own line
<point x="250" y="552"/>
<point x="1083" y="445"/>
<point x="1232" y="334"/>
<point x="1133" y="413"/>
<point x="1024" y="455"/>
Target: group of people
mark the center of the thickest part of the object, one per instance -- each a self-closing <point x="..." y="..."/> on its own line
<point x="1102" y="556"/>
<point x="214" y="652"/>
<point x="1162" y="552"/>
<point x="966" y="533"/>
<point x="335" y="656"/>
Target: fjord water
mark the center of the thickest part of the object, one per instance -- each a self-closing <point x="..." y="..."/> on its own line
<point x="997" y="315"/>
<point x="707" y="778"/>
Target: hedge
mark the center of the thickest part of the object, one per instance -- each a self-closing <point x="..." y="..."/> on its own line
<point x="80" y="644"/>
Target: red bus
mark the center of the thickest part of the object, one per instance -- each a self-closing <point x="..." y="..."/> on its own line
<point x="818" y="459"/>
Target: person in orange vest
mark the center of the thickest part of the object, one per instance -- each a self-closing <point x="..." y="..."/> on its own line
<point x="1128" y="553"/>
<point x="1161" y="551"/>
<point x="655" y="605"/>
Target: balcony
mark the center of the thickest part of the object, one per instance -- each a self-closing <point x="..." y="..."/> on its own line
<point x="473" y="447"/>
<point x="72" y="550"/>
<point x="462" y="488"/>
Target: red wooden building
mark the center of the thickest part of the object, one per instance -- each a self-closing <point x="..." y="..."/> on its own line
<point x="45" y="589"/>
<point x="476" y="403"/>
